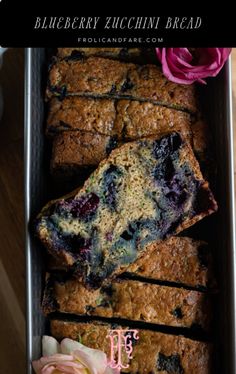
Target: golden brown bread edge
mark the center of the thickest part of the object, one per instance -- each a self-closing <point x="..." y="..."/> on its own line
<point x="123" y="119"/>
<point x="153" y="352"/>
<point x="118" y="80"/>
<point x="182" y="261"/>
<point x="129" y="299"/>
<point x="137" y="55"/>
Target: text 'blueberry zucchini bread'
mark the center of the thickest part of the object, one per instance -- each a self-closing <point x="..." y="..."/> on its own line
<point x="99" y="77"/>
<point x="144" y="191"/>
<point x="153" y="352"/>
<point x="131" y="300"/>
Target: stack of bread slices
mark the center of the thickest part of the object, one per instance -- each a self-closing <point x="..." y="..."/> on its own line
<point x="116" y="259"/>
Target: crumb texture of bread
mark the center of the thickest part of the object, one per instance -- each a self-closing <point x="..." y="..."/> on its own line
<point x="178" y="259"/>
<point x="80" y="149"/>
<point x="125" y="119"/>
<point x="122" y="54"/>
<point x="153" y="352"/>
<point x="99" y="77"/>
<point x="131" y="300"/>
<point x="144" y="191"/>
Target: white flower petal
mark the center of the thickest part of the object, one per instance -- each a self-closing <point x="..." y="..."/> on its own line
<point x="94" y="359"/>
<point x="50" y="346"/>
<point x="69" y="345"/>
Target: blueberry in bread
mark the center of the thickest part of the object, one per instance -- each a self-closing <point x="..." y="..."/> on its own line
<point x="144" y="191"/>
<point x="100" y="77"/>
<point x="70" y="119"/>
<point x="78" y="53"/>
<point x="153" y="352"/>
<point x="125" y="119"/>
<point x="179" y="260"/>
<point x="131" y="300"/>
<point x="122" y="54"/>
<point x="107" y="124"/>
<point x="111" y="123"/>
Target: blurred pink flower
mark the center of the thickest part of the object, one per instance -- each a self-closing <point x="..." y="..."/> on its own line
<point x="183" y="65"/>
<point x="70" y="357"/>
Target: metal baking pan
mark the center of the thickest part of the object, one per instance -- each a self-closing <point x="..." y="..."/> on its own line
<point x="38" y="190"/>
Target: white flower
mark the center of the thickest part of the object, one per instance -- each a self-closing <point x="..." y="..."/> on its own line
<point x="70" y="357"/>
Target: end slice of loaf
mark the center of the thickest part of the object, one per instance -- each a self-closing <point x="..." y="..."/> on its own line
<point x="153" y="352"/>
<point x="122" y="54"/>
<point x="75" y="150"/>
<point x="99" y="77"/>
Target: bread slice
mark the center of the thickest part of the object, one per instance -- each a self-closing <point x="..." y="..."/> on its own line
<point x="85" y="130"/>
<point x="99" y="77"/>
<point x="73" y="150"/>
<point x="143" y="192"/>
<point x="180" y="260"/>
<point x="131" y="300"/>
<point x="153" y="352"/>
<point x="122" y="54"/>
<point x="125" y="119"/>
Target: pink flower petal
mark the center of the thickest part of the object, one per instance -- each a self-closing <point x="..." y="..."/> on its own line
<point x="73" y="364"/>
<point x="48" y="369"/>
<point x="179" y="66"/>
<point x="72" y="368"/>
<point x="37" y="366"/>
<point x="43" y="361"/>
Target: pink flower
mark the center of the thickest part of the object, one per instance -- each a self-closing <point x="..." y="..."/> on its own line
<point x="183" y="65"/>
<point x="70" y="357"/>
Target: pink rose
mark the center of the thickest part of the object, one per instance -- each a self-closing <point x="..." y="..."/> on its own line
<point x="70" y="357"/>
<point x="183" y="65"/>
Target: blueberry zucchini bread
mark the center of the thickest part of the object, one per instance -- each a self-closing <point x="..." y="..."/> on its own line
<point x="125" y="119"/>
<point x="180" y="260"/>
<point x="153" y="352"/>
<point x="143" y="192"/>
<point x="72" y="151"/>
<point x="99" y="77"/>
<point x="131" y="300"/>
